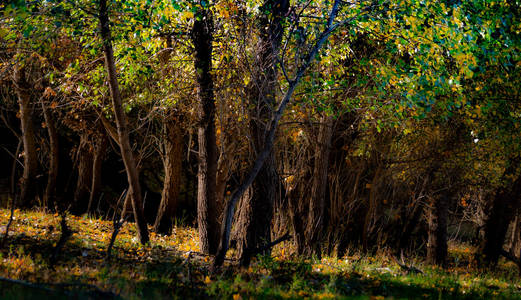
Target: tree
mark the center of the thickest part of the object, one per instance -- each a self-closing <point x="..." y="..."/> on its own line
<point x="267" y="146"/>
<point x="23" y="88"/>
<point x="254" y="221"/>
<point x="49" y="198"/>
<point x="172" y="152"/>
<point x="208" y="210"/>
<point x="122" y="129"/>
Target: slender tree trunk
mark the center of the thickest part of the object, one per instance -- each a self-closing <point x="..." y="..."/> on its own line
<point x="297" y="219"/>
<point x="84" y="181"/>
<point x="317" y="202"/>
<point x="28" y="184"/>
<point x="49" y="198"/>
<point x="208" y="212"/>
<point x="100" y="149"/>
<point x="172" y="163"/>
<point x="121" y="122"/>
<point x="515" y="248"/>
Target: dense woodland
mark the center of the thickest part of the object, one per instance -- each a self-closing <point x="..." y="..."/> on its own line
<point x="331" y="126"/>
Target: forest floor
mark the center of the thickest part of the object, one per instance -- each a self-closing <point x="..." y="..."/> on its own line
<point x="170" y="267"/>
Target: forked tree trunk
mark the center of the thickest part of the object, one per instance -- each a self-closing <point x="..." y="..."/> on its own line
<point x="100" y="148"/>
<point x="84" y="181"/>
<point x="208" y="210"/>
<point x="172" y="163"/>
<point x="317" y="201"/>
<point x="121" y="122"/>
<point x="28" y="184"/>
<point x="49" y="198"/>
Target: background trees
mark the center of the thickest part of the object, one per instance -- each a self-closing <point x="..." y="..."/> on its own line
<point x="377" y="125"/>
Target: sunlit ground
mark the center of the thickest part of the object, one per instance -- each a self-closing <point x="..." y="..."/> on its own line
<point x="170" y="266"/>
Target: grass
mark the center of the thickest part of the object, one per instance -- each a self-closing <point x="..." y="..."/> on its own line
<point x="162" y="269"/>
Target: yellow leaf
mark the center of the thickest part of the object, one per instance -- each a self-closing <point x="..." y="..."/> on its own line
<point x="188" y="15"/>
<point x="237" y="296"/>
<point x="246" y="80"/>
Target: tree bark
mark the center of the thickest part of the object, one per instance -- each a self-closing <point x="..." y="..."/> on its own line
<point x="49" y="198"/>
<point x="84" y="181"/>
<point x="317" y="201"/>
<point x="297" y="218"/>
<point x="515" y="240"/>
<point x="256" y="212"/>
<point x="264" y="153"/>
<point x="505" y="204"/>
<point x="100" y="148"/>
<point x="515" y="246"/>
<point x="172" y="158"/>
<point x="28" y="184"/>
<point x="172" y="163"/>
<point x="437" y="236"/>
<point x="208" y="210"/>
<point x="121" y="122"/>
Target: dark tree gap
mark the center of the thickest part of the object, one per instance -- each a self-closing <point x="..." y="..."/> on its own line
<point x="84" y="160"/>
<point x="100" y="150"/>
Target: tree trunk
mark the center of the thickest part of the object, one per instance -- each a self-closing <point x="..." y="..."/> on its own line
<point x="371" y="209"/>
<point x="256" y="212"/>
<point x="317" y="201"/>
<point x="267" y="145"/>
<point x="505" y="204"/>
<point x="296" y="216"/>
<point x="172" y="158"/>
<point x="100" y="149"/>
<point x="437" y="237"/>
<point x="49" y="198"/>
<point x="208" y="212"/>
<point x="28" y="184"/>
<point x="515" y="247"/>
<point x="255" y="217"/>
<point x="172" y="163"/>
<point x="84" y="181"/>
<point x="121" y="122"/>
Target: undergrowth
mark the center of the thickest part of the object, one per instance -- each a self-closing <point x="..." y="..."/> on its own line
<point x="171" y="267"/>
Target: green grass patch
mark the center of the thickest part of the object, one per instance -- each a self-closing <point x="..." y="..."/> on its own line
<point x="161" y="269"/>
